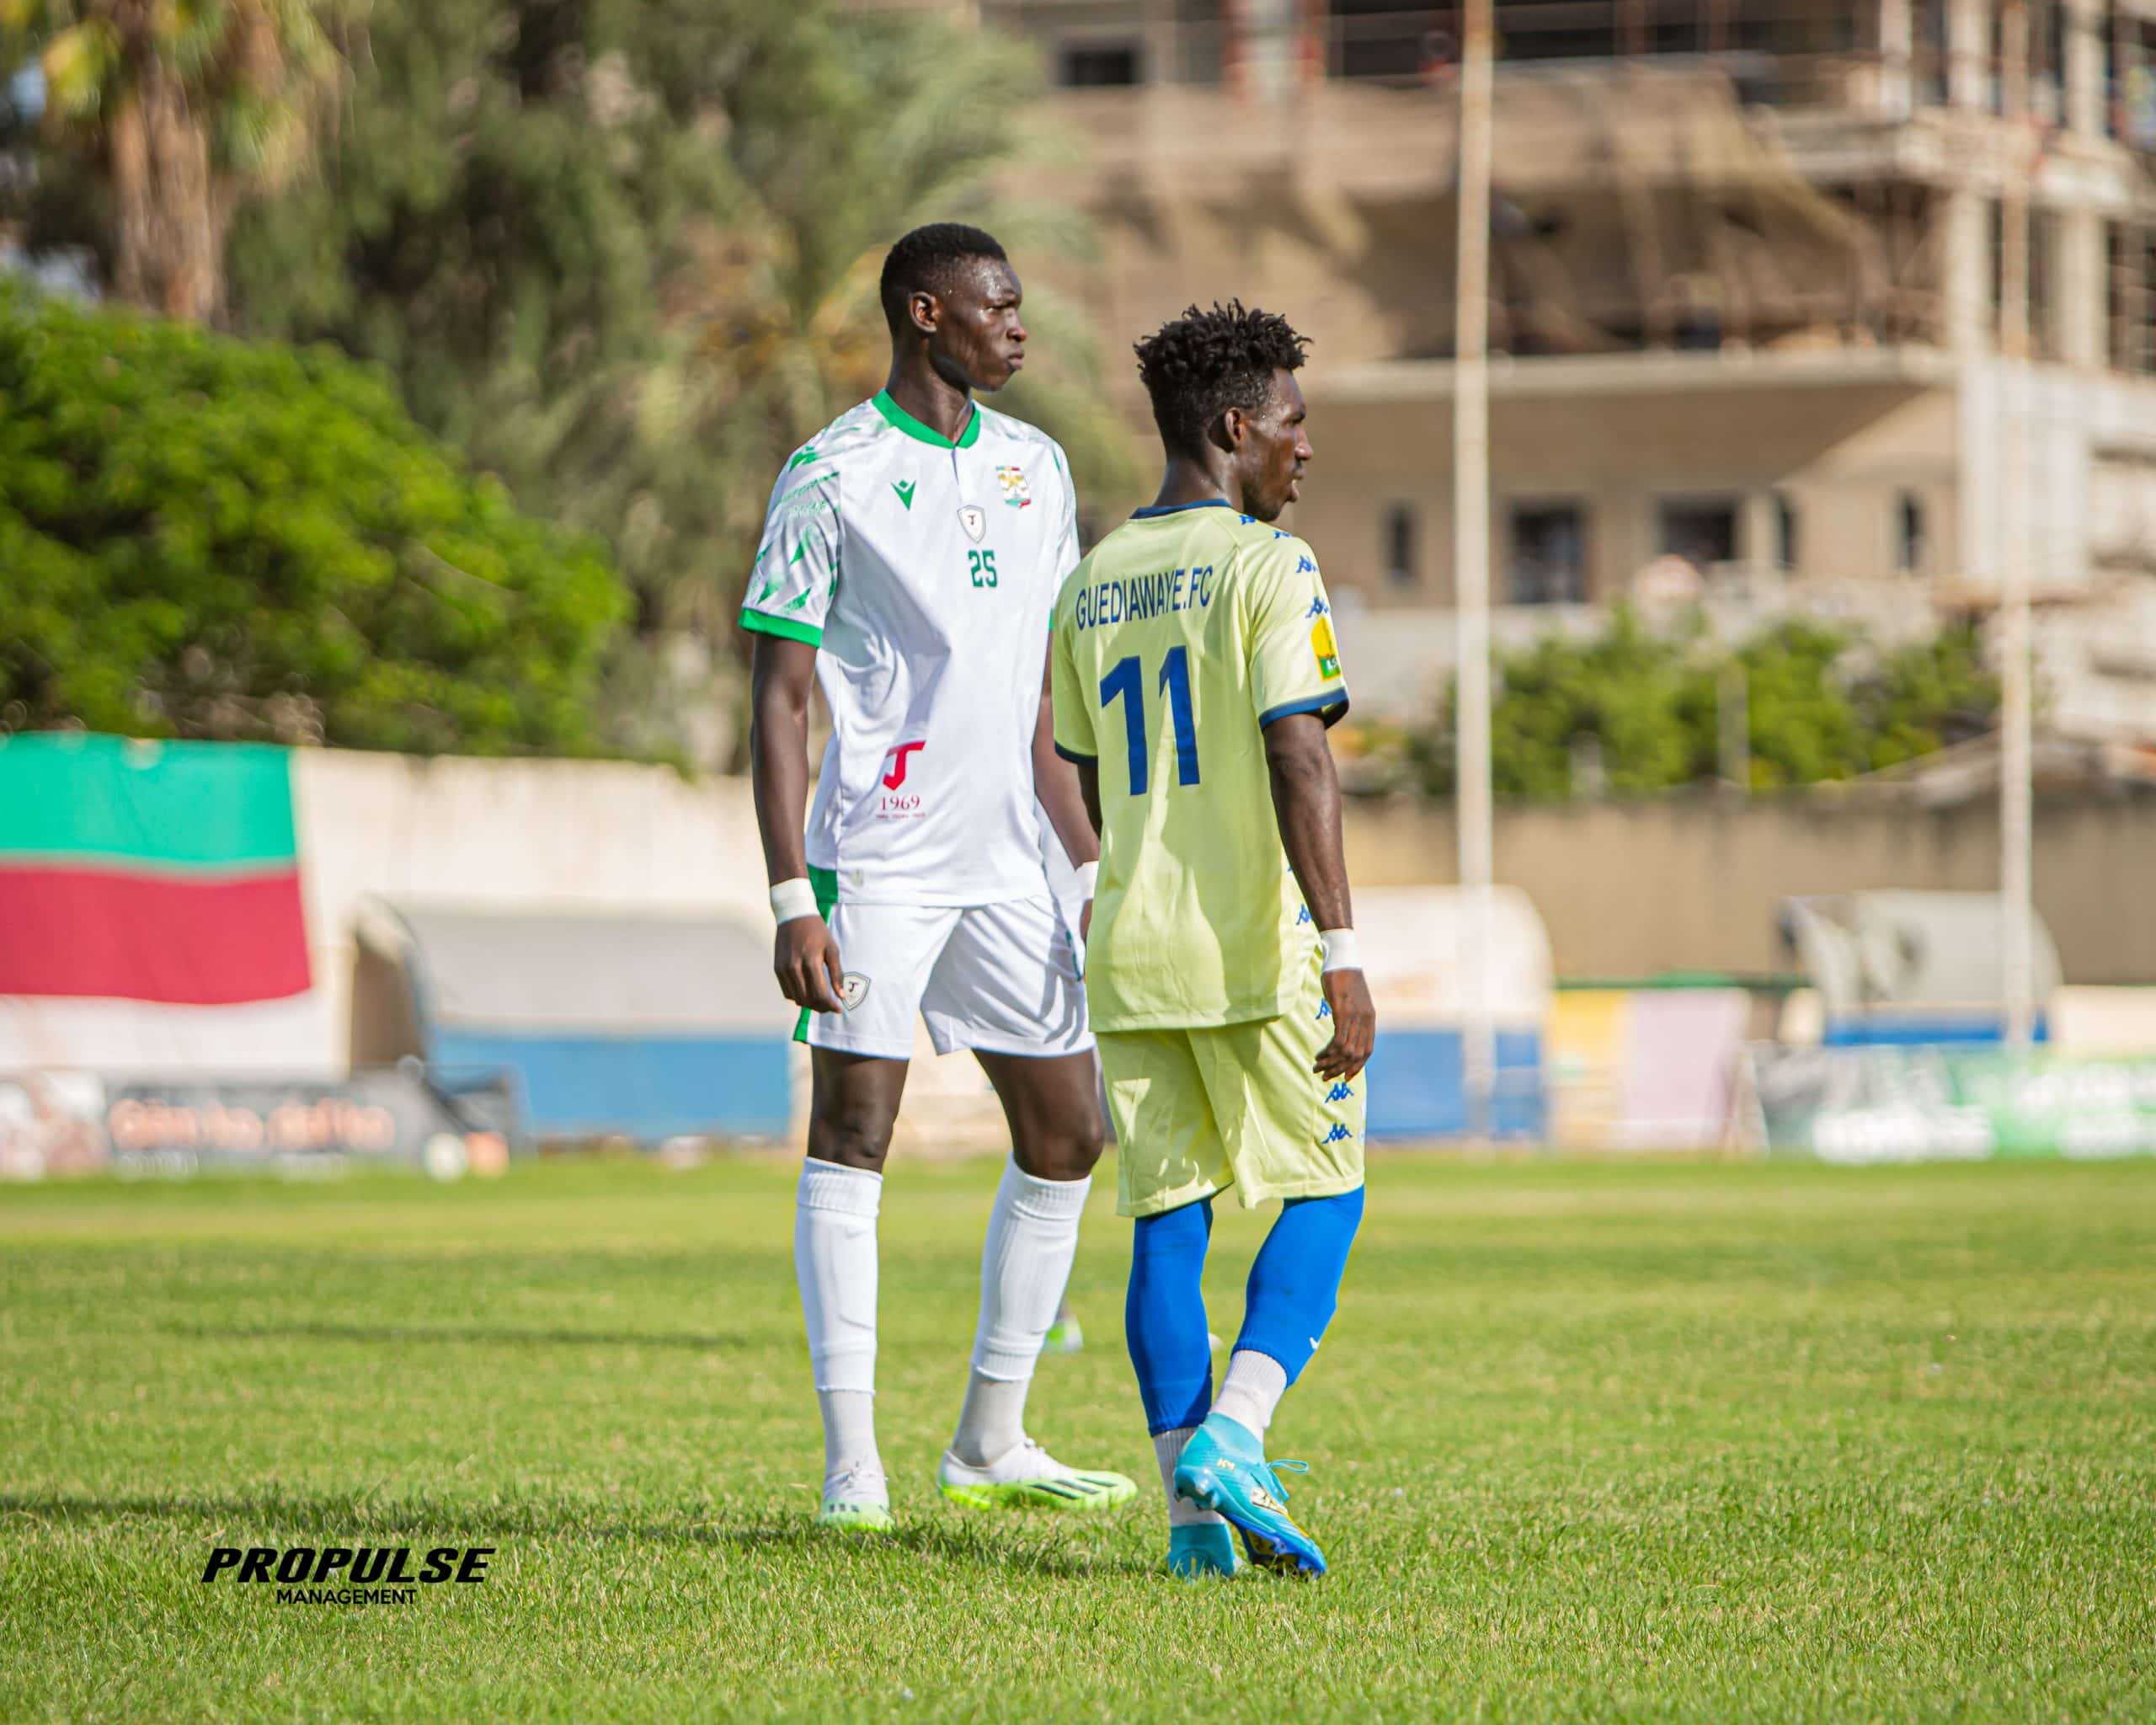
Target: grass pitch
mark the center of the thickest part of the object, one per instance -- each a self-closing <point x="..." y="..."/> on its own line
<point x="1603" y="1442"/>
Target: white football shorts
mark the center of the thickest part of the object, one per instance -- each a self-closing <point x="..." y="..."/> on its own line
<point x="1002" y="979"/>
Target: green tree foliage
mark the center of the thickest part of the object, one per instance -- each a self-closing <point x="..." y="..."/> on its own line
<point x="624" y="252"/>
<point x="172" y="113"/>
<point x="205" y="537"/>
<point x="1821" y="704"/>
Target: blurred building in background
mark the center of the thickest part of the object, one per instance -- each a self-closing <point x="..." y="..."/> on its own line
<point x="1753" y="308"/>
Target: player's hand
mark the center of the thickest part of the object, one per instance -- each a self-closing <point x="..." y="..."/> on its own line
<point x="806" y="959"/>
<point x="1354" y="1025"/>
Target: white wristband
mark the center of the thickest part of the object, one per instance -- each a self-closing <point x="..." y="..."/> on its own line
<point x="1086" y="872"/>
<point x="1338" y="945"/>
<point x="792" y="898"/>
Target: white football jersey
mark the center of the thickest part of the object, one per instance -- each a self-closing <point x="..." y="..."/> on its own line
<point x="926" y="573"/>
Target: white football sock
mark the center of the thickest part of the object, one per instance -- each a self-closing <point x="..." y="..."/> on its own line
<point x="835" y="1262"/>
<point x="1167" y="1450"/>
<point x="849" y="1441"/>
<point x="1253" y="1388"/>
<point x="1033" y="1236"/>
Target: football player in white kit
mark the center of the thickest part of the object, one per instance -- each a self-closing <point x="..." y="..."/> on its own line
<point x="910" y="566"/>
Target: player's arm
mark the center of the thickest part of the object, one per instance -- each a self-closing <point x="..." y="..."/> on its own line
<point x="1089" y="788"/>
<point x="1306" y="804"/>
<point x="1297" y="691"/>
<point x="1071" y="738"/>
<point x="1056" y="780"/>
<point x="1056" y="783"/>
<point x="805" y="956"/>
<point x="791" y="588"/>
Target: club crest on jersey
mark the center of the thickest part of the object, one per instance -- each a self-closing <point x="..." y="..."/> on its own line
<point x="975" y="520"/>
<point x="1326" y="649"/>
<point x="853" y="992"/>
<point x="1013" y="482"/>
<point x="900" y="801"/>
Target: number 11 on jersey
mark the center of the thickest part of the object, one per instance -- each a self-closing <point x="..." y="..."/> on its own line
<point x="1126" y="683"/>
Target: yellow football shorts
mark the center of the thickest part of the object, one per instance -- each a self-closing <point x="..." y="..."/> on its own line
<point x="1198" y="1111"/>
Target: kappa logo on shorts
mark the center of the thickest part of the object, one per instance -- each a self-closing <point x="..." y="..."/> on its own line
<point x="1339" y="1092"/>
<point x="853" y="991"/>
<point x="1336" y="1134"/>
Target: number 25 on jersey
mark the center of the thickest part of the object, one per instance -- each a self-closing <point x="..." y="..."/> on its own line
<point x="1126" y="683"/>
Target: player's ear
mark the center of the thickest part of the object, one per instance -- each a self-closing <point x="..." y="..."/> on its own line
<point x="926" y="311"/>
<point x="1231" y="429"/>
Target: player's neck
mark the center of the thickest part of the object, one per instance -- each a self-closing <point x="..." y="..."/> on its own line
<point x="1187" y="481"/>
<point x="944" y="407"/>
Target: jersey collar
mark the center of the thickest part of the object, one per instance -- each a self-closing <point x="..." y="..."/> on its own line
<point x="1176" y="509"/>
<point x="901" y="420"/>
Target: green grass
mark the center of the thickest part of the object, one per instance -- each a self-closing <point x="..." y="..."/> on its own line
<point x="1594" y="1442"/>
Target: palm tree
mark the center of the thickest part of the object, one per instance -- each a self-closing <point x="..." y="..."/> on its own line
<point x="918" y="121"/>
<point x="179" y="109"/>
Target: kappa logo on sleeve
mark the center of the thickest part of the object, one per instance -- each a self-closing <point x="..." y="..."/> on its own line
<point x="1325" y="647"/>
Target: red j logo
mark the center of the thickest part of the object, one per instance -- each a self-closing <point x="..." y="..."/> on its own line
<point x="897" y="775"/>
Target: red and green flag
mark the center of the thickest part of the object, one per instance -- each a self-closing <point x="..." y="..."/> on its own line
<point x="164" y="872"/>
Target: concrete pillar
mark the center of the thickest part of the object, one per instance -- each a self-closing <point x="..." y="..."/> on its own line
<point x="2079" y="300"/>
<point x="1968" y="53"/>
<point x="1896" y="47"/>
<point x="2084" y="67"/>
<point x="1965" y="272"/>
<point x="1758" y="531"/>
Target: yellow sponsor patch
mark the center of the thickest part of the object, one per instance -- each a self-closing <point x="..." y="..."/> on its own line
<point x="1322" y="644"/>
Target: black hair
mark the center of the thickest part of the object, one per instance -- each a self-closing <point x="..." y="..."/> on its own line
<point x="924" y="260"/>
<point x="1197" y="367"/>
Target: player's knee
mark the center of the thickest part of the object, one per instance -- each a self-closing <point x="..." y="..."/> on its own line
<point x="853" y="1138"/>
<point x="1065" y="1151"/>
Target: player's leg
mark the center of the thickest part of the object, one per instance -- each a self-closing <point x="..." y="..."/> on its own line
<point x="1293" y="1292"/>
<point x="858" y="1068"/>
<point x="1169" y="1164"/>
<point x="1006" y="986"/>
<point x="1172" y="1352"/>
<point x="1297" y="1137"/>
<point x="856" y="1101"/>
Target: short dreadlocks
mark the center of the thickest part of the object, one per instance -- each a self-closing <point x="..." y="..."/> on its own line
<point x="1197" y="367"/>
<point x="924" y="261"/>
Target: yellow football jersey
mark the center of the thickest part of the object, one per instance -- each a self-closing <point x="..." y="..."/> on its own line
<point x="1183" y="634"/>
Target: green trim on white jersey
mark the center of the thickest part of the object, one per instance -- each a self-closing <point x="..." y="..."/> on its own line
<point x="904" y="421"/>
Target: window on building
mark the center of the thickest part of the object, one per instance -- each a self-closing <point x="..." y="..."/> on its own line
<point x="1910" y="547"/>
<point x="1548" y="564"/>
<point x="1399" y="562"/>
<point x="1098" y="64"/>
<point x="1700" y="529"/>
<point x="1786" y="543"/>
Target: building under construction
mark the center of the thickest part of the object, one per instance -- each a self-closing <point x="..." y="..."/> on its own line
<point x="1788" y="296"/>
